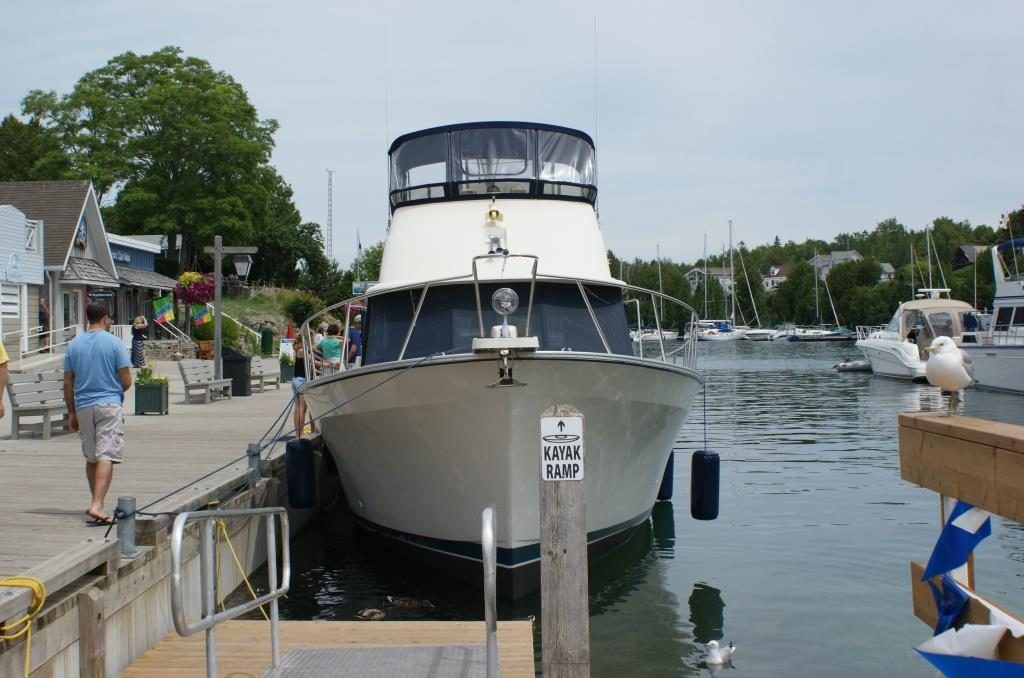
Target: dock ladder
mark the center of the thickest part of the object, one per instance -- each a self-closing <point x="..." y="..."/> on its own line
<point x="411" y="661"/>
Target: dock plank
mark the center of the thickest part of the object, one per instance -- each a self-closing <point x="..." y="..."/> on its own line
<point x="43" y="491"/>
<point x="243" y="647"/>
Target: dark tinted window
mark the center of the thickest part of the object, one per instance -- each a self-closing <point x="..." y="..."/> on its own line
<point x="448" y="321"/>
<point x="1003" y="319"/>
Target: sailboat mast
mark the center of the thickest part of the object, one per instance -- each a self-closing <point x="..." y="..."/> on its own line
<point x="705" y="276"/>
<point x="928" y="253"/>
<point x="817" y="274"/>
<point x="913" y="265"/>
<point x="732" y="281"/>
<point x="661" y="312"/>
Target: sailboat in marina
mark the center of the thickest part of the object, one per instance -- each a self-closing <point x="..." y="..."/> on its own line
<point x="721" y="330"/>
<point x="641" y="334"/>
<point x="821" y="331"/>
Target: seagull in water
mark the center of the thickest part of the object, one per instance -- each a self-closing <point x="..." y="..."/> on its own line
<point x="719" y="655"/>
<point x="949" y="368"/>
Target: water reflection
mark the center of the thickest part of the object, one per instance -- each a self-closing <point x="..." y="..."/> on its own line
<point x="707" y="613"/>
<point x="810" y="549"/>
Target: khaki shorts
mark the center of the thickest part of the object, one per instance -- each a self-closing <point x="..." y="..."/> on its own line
<point x="102" y="430"/>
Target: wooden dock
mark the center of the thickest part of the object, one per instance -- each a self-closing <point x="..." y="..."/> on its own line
<point x="979" y="462"/>
<point x="43" y="497"/>
<point x="44" y="494"/>
<point x="243" y="647"/>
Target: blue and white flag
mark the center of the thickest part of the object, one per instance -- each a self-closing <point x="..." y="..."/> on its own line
<point x="966" y="527"/>
<point x="970" y="652"/>
<point x="950" y="600"/>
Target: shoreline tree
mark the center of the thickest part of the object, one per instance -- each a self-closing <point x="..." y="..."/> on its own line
<point x="174" y="145"/>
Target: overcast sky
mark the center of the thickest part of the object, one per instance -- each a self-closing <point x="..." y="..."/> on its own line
<point x="795" y="119"/>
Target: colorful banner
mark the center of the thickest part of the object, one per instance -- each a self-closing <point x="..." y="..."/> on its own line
<point x="163" y="309"/>
<point x="201" y="314"/>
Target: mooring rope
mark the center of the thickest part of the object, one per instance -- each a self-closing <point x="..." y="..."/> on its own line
<point x="23" y="626"/>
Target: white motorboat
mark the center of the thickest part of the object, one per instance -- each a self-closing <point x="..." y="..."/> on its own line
<point x="495" y="302"/>
<point x="759" y="334"/>
<point x="897" y="349"/>
<point x="653" y="335"/>
<point x="997" y="345"/>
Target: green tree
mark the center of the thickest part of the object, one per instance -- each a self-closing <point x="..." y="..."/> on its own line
<point x="176" y="141"/>
<point x="30" y="152"/>
<point x="844" y="280"/>
<point x="793" y="300"/>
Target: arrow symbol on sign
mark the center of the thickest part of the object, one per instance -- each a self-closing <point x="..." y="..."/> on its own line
<point x="561" y="425"/>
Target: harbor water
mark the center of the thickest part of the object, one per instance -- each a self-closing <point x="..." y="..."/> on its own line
<point x="806" y="569"/>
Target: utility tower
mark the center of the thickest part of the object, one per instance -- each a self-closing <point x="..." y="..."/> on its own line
<point x="329" y="235"/>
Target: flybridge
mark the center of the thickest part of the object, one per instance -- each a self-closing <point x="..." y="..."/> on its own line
<point x="489" y="159"/>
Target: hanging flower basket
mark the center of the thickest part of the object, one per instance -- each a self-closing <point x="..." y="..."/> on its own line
<point x="194" y="288"/>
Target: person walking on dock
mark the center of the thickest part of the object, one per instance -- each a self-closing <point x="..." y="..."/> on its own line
<point x="96" y="375"/>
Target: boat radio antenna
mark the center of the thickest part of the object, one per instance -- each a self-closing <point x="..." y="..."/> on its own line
<point x="329" y="235"/>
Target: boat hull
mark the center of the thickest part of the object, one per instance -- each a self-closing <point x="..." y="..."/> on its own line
<point x="890" y="358"/>
<point x="998" y="368"/>
<point x="423" y="453"/>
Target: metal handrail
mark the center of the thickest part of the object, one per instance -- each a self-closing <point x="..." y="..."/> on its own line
<point x="489" y="549"/>
<point x="75" y="329"/>
<point x="237" y="322"/>
<point x="687" y="351"/>
<point x="210" y="617"/>
<point x="533" y="283"/>
<point x="175" y="332"/>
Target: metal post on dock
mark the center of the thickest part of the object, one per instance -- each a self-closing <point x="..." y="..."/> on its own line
<point x="218" y="251"/>
<point x="565" y="613"/>
<point x="253" y="453"/>
<point x="126" y="526"/>
<point x="208" y="569"/>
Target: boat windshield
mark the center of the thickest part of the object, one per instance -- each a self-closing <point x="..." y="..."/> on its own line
<point x="448" y="320"/>
<point x="492" y="159"/>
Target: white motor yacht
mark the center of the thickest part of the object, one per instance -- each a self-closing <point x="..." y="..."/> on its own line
<point x="897" y="349"/>
<point x="495" y="302"/>
<point x="998" y="348"/>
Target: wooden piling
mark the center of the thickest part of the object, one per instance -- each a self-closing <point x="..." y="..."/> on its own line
<point x="565" y="613"/>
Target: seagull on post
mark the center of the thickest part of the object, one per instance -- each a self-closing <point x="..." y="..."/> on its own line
<point x="949" y="368"/>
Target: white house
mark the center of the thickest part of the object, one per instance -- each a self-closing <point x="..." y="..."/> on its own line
<point x="824" y="262"/>
<point x="21" y="279"/>
<point x="776" y="276"/>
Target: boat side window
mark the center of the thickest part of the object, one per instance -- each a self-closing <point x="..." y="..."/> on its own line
<point x="1003" y="317"/>
<point x="388" y="319"/>
<point x="566" y="166"/>
<point x="419" y="169"/>
<point x="1018" y="317"/>
<point x="894" y="322"/>
<point x="942" y="324"/>
<point x="563" y="322"/>
<point x="612" y="316"/>
<point x="448" y="320"/>
<point x="494" y="160"/>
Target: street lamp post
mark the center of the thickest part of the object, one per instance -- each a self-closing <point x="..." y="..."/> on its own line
<point x="218" y="251"/>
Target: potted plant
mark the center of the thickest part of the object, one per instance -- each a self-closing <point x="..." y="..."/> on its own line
<point x="151" y="392"/>
<point x="287" y="367"/>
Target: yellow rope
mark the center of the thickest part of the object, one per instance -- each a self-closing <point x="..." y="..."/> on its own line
<point x="23" y="626"/>
<point x="223" y="529"/>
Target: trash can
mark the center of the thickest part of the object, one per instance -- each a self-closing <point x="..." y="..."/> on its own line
<point x="266" y="341"/>
<point x="238" y="368"/>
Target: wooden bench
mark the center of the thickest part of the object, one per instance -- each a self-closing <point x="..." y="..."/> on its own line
<point x="36" y="394"/>
<point x="198" y="376"/>
<point x="264" y="373"/>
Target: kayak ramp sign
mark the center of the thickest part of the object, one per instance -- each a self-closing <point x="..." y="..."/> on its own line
<point x="561" y="448"/>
